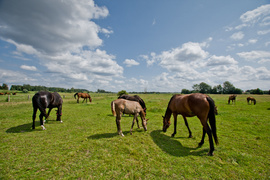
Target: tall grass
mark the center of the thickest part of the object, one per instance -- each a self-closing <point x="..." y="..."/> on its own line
<point x="86" y="144"/>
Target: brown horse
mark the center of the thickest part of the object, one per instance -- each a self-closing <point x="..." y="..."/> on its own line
<point x="84" y="96"/>
<point x="252" y="99"/>
<point x="232" y="98"/>
<point x="129" y="107"/>
<point x="190" y="105"/>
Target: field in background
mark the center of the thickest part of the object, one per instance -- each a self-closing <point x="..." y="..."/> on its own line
<point x="86" y="144"/>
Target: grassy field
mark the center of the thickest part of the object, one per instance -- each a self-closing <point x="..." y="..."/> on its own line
<point x="86" y="144"/>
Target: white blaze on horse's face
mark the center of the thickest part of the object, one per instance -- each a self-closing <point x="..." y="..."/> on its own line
<point x="144" y="124"/>
<point x="43" y="128"/>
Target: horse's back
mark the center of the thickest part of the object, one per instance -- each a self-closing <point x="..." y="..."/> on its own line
<point x="190" y="105"/>
<point x="127" y="106"/>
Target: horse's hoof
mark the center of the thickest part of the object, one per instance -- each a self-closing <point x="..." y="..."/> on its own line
<point x="210" y="154"/>
<point x="172" y="135"/>
<point x="190" y="136"/>
<point x="200" y="145"/>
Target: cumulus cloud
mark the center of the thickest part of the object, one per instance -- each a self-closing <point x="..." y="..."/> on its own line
<point x="62" y="36"/>
<point x="260" y="56"/>
<point x="131" y="62"/>
<point x="220" y="60"/>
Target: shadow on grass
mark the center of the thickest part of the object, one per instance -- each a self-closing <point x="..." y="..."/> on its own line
<point x="173" y="147"/>
<point x="107" y="135"/>
<point x="21" y="128"/>
<point x="28" y="127"/>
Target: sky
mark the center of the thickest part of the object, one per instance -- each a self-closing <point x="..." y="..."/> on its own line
<point x="135" y="45"/>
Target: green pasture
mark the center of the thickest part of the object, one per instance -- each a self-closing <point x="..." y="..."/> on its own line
<point x="86" y="144"/>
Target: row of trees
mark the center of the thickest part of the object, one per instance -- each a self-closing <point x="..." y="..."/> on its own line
<point x="226" y="88"/>
<point x="27" y="87"/>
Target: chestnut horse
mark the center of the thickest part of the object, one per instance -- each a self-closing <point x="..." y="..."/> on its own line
<point x="252" y="99"/>
<point x="43" y="100"/>
<point x="232" y="98"/>
<point x="129" y="107"/>
<point x="190" y="105"/>
<point x="84" y="96"/>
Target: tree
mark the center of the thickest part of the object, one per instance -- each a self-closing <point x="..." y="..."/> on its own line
<point x="185" y="91"/>
<point x="120" y="93"/>
<point x="202" y="88"/>
<point x="228" y="88"/>
<point x="5" y="86"/>
<point x="256" y="91"/>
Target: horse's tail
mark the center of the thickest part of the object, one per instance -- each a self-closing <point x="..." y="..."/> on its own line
<point x="212" y="118"/>
<point x="113" y="108"/>
<point x="75" y="95"/>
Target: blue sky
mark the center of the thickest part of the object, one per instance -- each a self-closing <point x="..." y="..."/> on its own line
<point x="152" y="45"/>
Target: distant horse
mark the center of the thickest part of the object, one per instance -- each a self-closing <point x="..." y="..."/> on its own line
<point x="232" y="98"/>
<point x="129" y="107"/>
<point x="134" y="98"/>
<point x="43" y="100"/>
<point x="252" y="99"/>
<point x="190" y="105"/>
<point x="84" y="96"/>
<point x="14" y="93"/>
<point x="2" y="94"/>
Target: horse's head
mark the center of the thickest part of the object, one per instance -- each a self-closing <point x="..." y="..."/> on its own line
<point x="166" y="123"/>
<point x="144" y="123"/>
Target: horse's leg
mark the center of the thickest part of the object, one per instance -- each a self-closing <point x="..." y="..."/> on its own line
<point x="41" y="120"/>
<point x="78" y="99"/>
<point x="118" y="121"/>
<point x="203" y="136"/>
<point x="186" y="123"/>
<point x="34" y="116"/>
<point x="175" y="124"/>
<point x="83" y="100"/>
<point x="133" y="122"/>
<point x="137" y="122"/>
<point x="206" y="129"/>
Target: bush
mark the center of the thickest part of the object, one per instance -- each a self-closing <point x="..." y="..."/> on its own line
<point x="25" y="91"/>
<point x="120" y="93"/>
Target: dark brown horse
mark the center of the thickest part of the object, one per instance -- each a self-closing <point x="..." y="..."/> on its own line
<point x="252" y="99"/>
<point x="134" y="98"/>
<point x="190" y="105"/>
<point x="232" y="98"/>
<point x="43" y="100"/>
<point x="85" y="96"/>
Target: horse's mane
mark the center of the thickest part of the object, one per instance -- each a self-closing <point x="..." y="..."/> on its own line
<point x="168" y="110"/>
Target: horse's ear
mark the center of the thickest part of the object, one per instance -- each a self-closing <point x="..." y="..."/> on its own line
<point x="163" y="116"/>
<point x="147" y="119"/>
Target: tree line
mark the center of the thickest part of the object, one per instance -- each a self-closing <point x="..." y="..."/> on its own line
<point x="27" y="87"/>
<point x="225" y="88"/>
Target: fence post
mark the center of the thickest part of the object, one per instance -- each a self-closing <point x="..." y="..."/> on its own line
<point x="28" y="97"/>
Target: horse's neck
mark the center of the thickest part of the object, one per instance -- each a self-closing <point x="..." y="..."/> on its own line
<point x="168" y="113"/>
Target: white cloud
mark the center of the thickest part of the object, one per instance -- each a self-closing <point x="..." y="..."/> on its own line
<point x="238" y="35"/>
<point x="255" y="55"/>
<point x="28" y="68"/>
<point x="220" y="60"/>
<point x="131" y="62"/>
<point x="263" y="32"/>
<point x="66" y="40"/>
<point x="254" y="15"/>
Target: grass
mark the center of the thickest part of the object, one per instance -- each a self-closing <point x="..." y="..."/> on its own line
<point x="86" y="144"/>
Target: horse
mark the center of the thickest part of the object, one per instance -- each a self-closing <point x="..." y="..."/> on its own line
<point x="43" y="100"/>
<point x="129" y="107"/>
<point x="232" y="98"/>
<point x="252" y="99"/>
<point x="134" y="98"/>
<point x="190" y="105"/>
<point x="84" y="96"/>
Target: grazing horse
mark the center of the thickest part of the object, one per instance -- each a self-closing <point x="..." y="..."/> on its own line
<point x="252" y="99"/>
<point x="134" y="98"/>
<point x="84" y="96"/>
<point x="129" y="107"/>
<point x="43" y="100"/>
<point x="190" y="105"/>
<point x="232" y="98"/>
